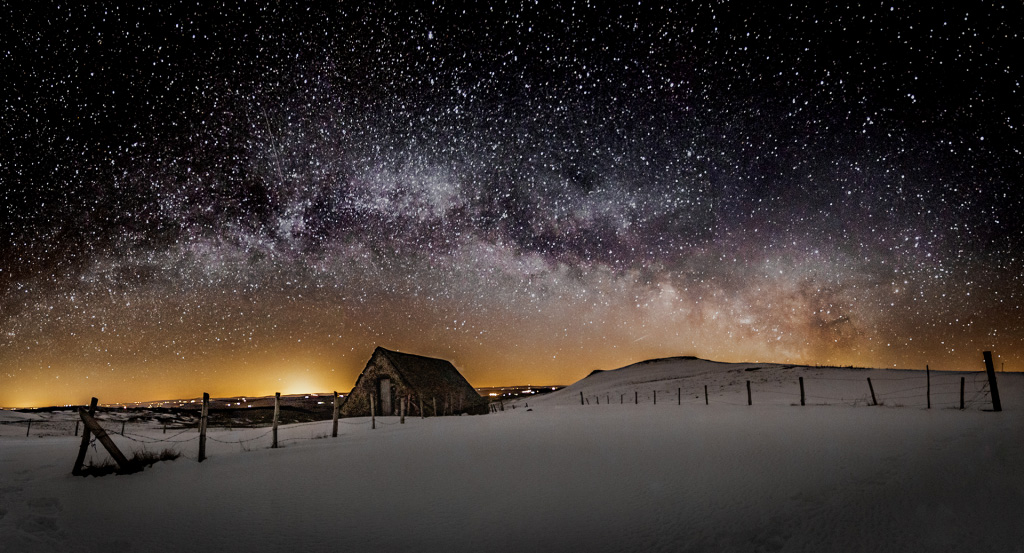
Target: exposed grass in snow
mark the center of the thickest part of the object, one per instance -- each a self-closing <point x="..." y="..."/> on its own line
<point x="137" y="462"/>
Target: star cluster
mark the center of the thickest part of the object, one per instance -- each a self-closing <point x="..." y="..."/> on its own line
<point x="248" y="198"/>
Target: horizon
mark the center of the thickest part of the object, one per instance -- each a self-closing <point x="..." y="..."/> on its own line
<point x="347" y="390"/>
<point x="232" y="196"/>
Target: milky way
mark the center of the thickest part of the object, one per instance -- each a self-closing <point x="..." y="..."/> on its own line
<point x="245" y="199"/>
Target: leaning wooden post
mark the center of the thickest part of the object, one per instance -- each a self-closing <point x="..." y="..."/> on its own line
<point x="76" y="428"/>
<point x="928" y="385"/>
<point x="581" y="397"/>
<point x="801" y="390"/>
<point x="749" y="401"/>
<point x="961" y="393"/>
<point x="29" y="429"/>
<point x="277" y="414"/>
<point x="334" y="425"/>
<point x="203" y="421"/>
<point x="85" y="441"/>
<point x="872" y="388"/>
<point x="996" y="405"/>
<point x="101" y="435"/>
<point x="122" y="428"/>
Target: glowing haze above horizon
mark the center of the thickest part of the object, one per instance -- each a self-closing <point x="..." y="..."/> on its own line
<point x="243" y="199"/>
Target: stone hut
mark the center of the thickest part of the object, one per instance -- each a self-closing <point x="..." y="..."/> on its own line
<point x="429" y="386"/>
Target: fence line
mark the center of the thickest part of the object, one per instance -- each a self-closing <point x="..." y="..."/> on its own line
<point x="941" y="387"/>
<point x="944" y="391"/>
<point x="176" y="443"/>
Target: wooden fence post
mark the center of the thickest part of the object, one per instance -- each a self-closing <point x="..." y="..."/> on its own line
<point x="961" y="393"/>
<point x="928" y="385"/>
<point x="122" y="428"/>
<point x="85" y="441"/>
<point x="705" y="394"/>
<point x="277" y="413"/>
<point x="996" y="405"/>
<point x="636" y="397"/>
<point x="581" y="397"/>
<point x="749" y="401"/>
<point x="655" y="397"/>
<point x="801" y="390"/>
<point x="76" y="428"/>
<point x="621" y="396"/>
<point x="334" y="425"/>
<point x="203" y="421"/>
<point x="679" y="394"/>
<point x="597" y="400"/>
<point x="104" y="439"/>
<point x="872" y="388"/>
<point x="29" y="429"/>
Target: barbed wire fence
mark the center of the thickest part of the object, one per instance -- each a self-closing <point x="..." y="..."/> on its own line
<point x="149" y="436"/>
<point x="967" y="391"/>
<point x="964" y="391"/>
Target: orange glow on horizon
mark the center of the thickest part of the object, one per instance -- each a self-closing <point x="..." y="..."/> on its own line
<point x="301" y="373"/>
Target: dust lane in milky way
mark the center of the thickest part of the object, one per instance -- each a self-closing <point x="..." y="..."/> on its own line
<point x="248" y="199"/>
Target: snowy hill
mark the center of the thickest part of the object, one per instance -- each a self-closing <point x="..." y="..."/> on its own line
<point x="17" y="416"/>
<point x="683" y="379"/>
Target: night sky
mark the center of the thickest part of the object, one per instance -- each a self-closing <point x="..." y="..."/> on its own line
<point x="242" y="199"/>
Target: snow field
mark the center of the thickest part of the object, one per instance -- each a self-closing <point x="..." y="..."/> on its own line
<point x="556" y="477"/>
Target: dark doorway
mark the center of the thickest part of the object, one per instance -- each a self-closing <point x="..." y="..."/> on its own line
<point x="384" y="388"/>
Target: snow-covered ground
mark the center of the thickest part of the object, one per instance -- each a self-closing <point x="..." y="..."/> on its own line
<point x="835" y="475"/>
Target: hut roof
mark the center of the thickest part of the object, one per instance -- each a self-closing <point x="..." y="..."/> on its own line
<point x="423" y="372"/>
